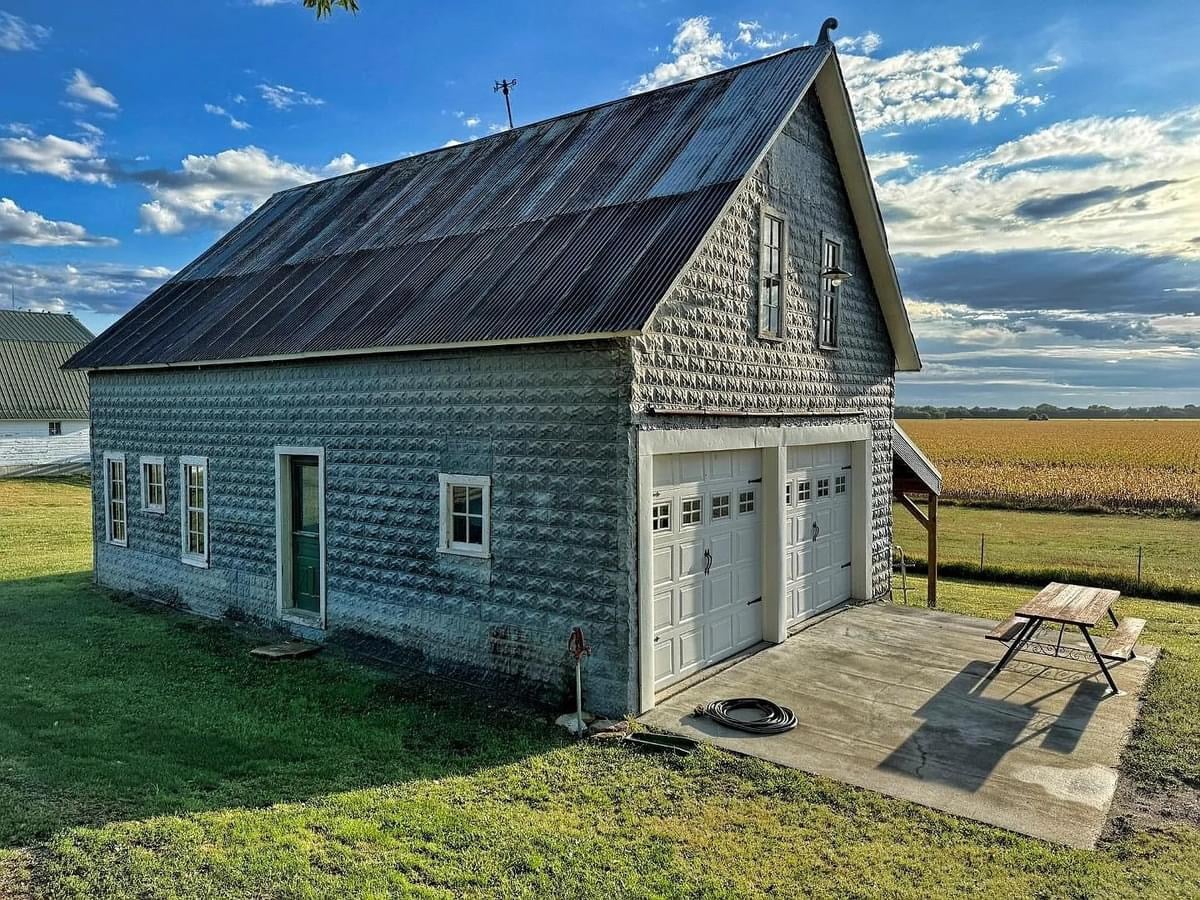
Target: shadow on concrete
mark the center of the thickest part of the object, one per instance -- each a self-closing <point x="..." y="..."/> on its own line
<point x="965" y="733"/>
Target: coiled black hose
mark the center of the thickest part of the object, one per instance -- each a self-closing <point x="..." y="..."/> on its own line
<point x="772" y="718"/>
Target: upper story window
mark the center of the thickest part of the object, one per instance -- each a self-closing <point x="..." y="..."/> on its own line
<point x="772" y="268"/>
<point x="154" y="484"/>
<point x="193" y="485"/>
<point x="55" y="429"/>
<point x="115" y="519"/>
<point x="466" y="514"/>
<point x="831" y="294"/>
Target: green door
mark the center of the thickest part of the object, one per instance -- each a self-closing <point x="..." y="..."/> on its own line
<point x="306" y="534"/>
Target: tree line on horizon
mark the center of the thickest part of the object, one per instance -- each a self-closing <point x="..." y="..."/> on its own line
<point x="1049" y="411"/>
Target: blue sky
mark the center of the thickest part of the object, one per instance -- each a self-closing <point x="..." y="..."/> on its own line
<point x="1038" y="164"/>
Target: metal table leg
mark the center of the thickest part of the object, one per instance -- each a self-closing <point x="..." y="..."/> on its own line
<point x="1099" y="659"/>
<point x="1020" y="640"/>
<point x="1112" y="615"/>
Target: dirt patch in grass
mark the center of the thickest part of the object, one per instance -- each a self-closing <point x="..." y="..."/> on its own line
<point x="1139" y="807"/>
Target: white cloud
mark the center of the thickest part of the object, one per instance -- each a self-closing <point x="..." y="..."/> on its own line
<point x="16" y="34"/>
<point x="283" y="97"/>
<point x="1126" y="182"/>
<point x="453" y="142"/>
<point x="866" y="43"/>
<point x="471" y="121"/>
<point x="83" y="88"/>
<point x="696" y="50"/>
<point x="215" y="110"/>
<point x="752" y="34"/>
<point x="102" y="288"/>
<point x="31" y="229"/>
<point x="919" y="86"/>
<point x="221" y="189"/>
<point x="885" y="163"/>
<point x="65" y="158"/>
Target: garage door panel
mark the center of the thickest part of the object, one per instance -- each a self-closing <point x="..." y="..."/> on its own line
<point x="715" y="508"/>
<point x="818" y="528"/>
<point x="665" y="613"/>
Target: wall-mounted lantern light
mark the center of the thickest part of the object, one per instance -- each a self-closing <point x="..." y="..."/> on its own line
<point x="836" y="275"/>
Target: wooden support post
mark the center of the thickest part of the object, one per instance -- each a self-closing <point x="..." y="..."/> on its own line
<point x="931" y="527"/>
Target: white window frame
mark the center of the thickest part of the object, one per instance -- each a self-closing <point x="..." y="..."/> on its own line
<point x="143" y="462"/>
<point x="54" y="429"/>
<point x="445" y="544"/>
<point x="829" y="297"/>
<point x="108" y="516"/>
<point x="764" y="329"/>
<point x="187" y="557"/>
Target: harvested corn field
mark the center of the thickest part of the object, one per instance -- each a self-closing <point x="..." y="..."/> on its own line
<point x="1117" y="465"/>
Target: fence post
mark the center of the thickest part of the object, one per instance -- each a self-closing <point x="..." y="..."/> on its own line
<point x="982" y="545"/>
<point x="1139" y="574"/>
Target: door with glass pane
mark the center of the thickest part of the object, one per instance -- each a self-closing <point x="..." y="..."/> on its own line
<point x="305" y="517"/>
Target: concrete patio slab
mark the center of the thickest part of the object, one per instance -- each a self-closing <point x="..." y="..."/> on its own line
<point x="894" y="699"/>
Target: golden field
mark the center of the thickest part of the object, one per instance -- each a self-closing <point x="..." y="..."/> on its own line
<point x="1111" y="464"/>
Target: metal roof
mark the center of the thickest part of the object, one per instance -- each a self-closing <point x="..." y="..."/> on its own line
<point x="906" y="451"/>
<point x="33" y="347"/>
<point x="576" y="225"/>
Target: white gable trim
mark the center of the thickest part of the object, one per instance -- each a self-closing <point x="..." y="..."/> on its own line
<point x="835" y="104"/>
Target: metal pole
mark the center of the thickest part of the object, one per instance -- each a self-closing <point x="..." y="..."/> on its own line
<point x="1139" y="574"/>
<point x="578" y="700"/>
<point x="982" y="544"/>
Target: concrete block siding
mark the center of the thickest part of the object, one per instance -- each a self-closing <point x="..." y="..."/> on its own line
<point x="549" y="425"/>
<point x="702" y="348"/>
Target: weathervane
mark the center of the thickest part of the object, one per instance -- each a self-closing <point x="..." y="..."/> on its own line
<point x="504" y="86"/>
<point x="827" y="26"/>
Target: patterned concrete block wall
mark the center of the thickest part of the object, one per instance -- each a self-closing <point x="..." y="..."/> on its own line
<point x="549" y="425"/>
<point x="702" y="348"/>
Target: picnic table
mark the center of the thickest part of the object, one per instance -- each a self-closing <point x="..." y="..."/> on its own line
<point x="1063" y="605"/>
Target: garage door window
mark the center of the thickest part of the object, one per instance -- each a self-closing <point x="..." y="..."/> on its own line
<point x="661" y="516"/>
<point x="803" y="490"/>
<point x="720" y="507"/>
<point x="839" y="484"/>
<point x="691" y="513"/>
<point x="746" y="502"/>
<point x="822" y="487"/>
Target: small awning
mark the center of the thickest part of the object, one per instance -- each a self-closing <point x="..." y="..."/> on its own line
<point x="912" y="472"/>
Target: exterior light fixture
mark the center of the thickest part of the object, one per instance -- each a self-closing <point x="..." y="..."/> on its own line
<point x="836" y="275"/>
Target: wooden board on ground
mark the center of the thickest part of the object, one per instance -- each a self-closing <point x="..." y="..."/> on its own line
<point x="286" y="650"/>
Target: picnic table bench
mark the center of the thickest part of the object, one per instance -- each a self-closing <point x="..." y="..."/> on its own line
<point x="1063" y="605"/>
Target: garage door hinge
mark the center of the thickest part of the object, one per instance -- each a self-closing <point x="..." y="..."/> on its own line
<point x="847" y="468"/>
<point x="755" y="481"/>
<point x="845" y="565"/>
<point x="755" y="600"/>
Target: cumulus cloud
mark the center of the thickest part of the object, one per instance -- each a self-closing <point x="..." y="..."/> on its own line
<point x="65" y="158"/>
<point x="1124" y="182"/>
<point x="221" y="189"/>
<point x="283" y="97"/>
<point x="102" y="288"/>
<point x="213" y="109"/>
<point x="81" y="87"/>
<point x="863" y="43"/>
<point x="886" y="163"/>
<point x="695" y="50"/>
<point x="16" y="34"/>
<point x="919" y="86"/>
<point x="31" y="229"/>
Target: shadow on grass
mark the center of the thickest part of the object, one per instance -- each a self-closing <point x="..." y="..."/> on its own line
<point x="111" y="710"/>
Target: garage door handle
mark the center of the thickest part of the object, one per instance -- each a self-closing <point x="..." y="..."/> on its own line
<point x="816" y="531"/>
<point x="707" y="561"/>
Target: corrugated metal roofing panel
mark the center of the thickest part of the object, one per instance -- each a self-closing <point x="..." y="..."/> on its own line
<point x="58" y="328"/>
<point x="575" y="225"/>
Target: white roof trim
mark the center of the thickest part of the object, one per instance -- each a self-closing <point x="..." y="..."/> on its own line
<point x="843" y="131"/>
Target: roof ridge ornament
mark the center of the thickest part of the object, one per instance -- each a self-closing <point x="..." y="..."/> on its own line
<point x="827" y="26"/>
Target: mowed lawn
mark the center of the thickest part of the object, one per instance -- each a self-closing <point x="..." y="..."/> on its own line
<point x="144" y="754"/>
<point x="1046" y="546"/>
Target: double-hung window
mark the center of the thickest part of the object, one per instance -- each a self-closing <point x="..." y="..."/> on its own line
<point x="193" y="510"/>
<point x="831" y="258"/>
<point x="466" y="513"/>
<point x="54" y="429"/>
<point x="772" y="270"/>
<point x="115" y="512"/>
<point x="154" y="484"/>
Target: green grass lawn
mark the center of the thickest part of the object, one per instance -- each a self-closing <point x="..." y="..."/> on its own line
<point x="1047" y="546"/>
<point x="143" y="754"/>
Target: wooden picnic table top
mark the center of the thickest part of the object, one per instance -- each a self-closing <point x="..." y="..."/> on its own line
<point x="1070" y="603"/>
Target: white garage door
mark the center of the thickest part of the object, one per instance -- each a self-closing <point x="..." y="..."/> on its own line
<point x="707" y="573"/>
<point x="816" y="499"/>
